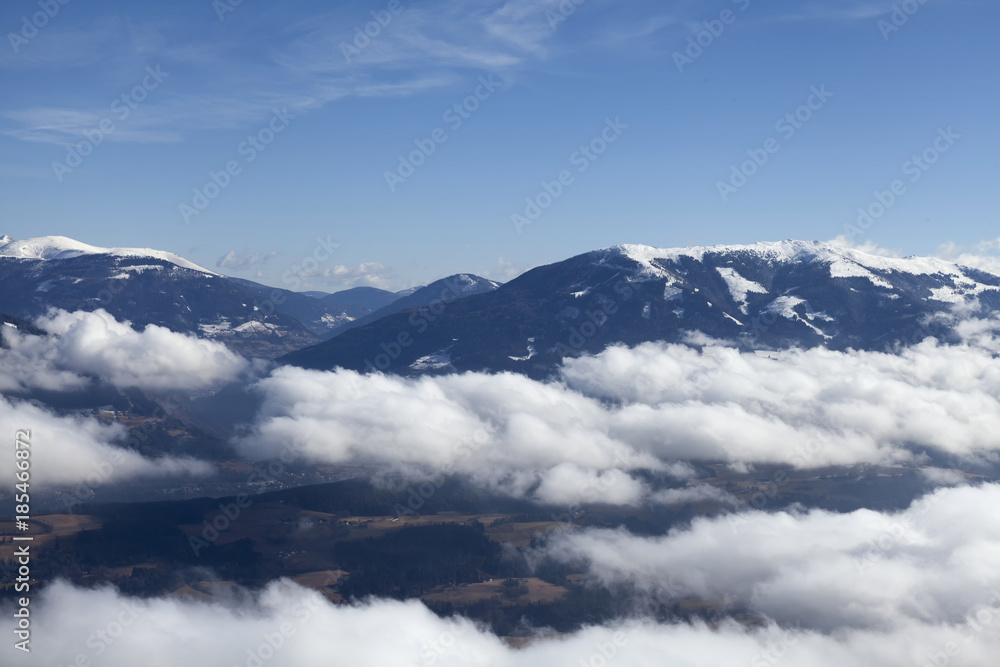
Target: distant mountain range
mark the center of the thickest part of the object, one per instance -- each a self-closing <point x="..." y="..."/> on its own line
<point x="761" y="296"/>
<point x="766" y="295"/>
<point x="148" y="286"/>
<point x="360" y="301"/>
<point x="444" y="290"/>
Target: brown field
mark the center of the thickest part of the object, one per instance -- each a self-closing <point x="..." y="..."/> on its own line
<point x="302" y="540"/>
<point x="45" y="529"/>
<point x="69" y="524"/>
<point x="537" y="591"/>
<point x="318" y="581"/>
<point x="377" y="526"/>
<point x="204" y="590"/>
<point x="519" y="534"/>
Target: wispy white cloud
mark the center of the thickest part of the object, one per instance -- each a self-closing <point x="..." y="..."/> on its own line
<point x="505" y="270"/>
<point x="242" y="261"/>
<point x="984" y="255"/>
<point x="425" y="46"/>
<point x="838" y="10"/>
<point x="342" y="276"/>
<point x="628" y="33"/>
<point x="867" y="246"/>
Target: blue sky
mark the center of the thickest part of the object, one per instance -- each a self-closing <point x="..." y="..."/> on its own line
<point x="180" y="89"/>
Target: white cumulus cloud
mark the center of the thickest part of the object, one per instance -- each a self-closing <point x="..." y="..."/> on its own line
<point x="96" y="344"/>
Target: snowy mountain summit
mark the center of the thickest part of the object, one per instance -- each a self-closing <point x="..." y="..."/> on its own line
<point x="955" y="282"/>
<point x="147" y="286"/>
<point x="759" y="296"/>
<point x="144" y="286"/>
<point x="61" y="247"/>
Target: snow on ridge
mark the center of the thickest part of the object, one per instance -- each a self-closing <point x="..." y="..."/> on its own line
<point x="532" y="351"/>
<point x="436" y="361"/>
<point x="671" y="292"/>
<point x="844" y="269"/>
<point x="771" y="250"/>
<point x="791" y="251"/>
<point x="784" y="306"/>
<point x="61" y="247"/>
<point x="470" y="284"/>
<point x="739" y="286"/>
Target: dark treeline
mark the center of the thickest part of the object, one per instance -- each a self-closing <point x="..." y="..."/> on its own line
<point x="411" y="561"/>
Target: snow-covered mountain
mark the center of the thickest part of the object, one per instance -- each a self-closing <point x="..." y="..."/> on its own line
<point x="765" y="295"/>
<point x="61" y="247"/>
<point x="444" y="291"/>
<point x="145" y="286"/>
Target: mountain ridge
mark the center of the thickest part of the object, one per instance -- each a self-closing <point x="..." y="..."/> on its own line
<point x="147" y="286"/>
<point x="770" y="294"/>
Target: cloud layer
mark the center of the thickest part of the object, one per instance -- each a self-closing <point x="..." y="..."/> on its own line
<point x="646" y="408"/>
<point x="290" y="626"/>
<point x="932" y="563"/>
<point x="79" y="451"/>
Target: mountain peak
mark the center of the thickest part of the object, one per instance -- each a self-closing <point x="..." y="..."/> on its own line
<point x="62" y="247"/>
